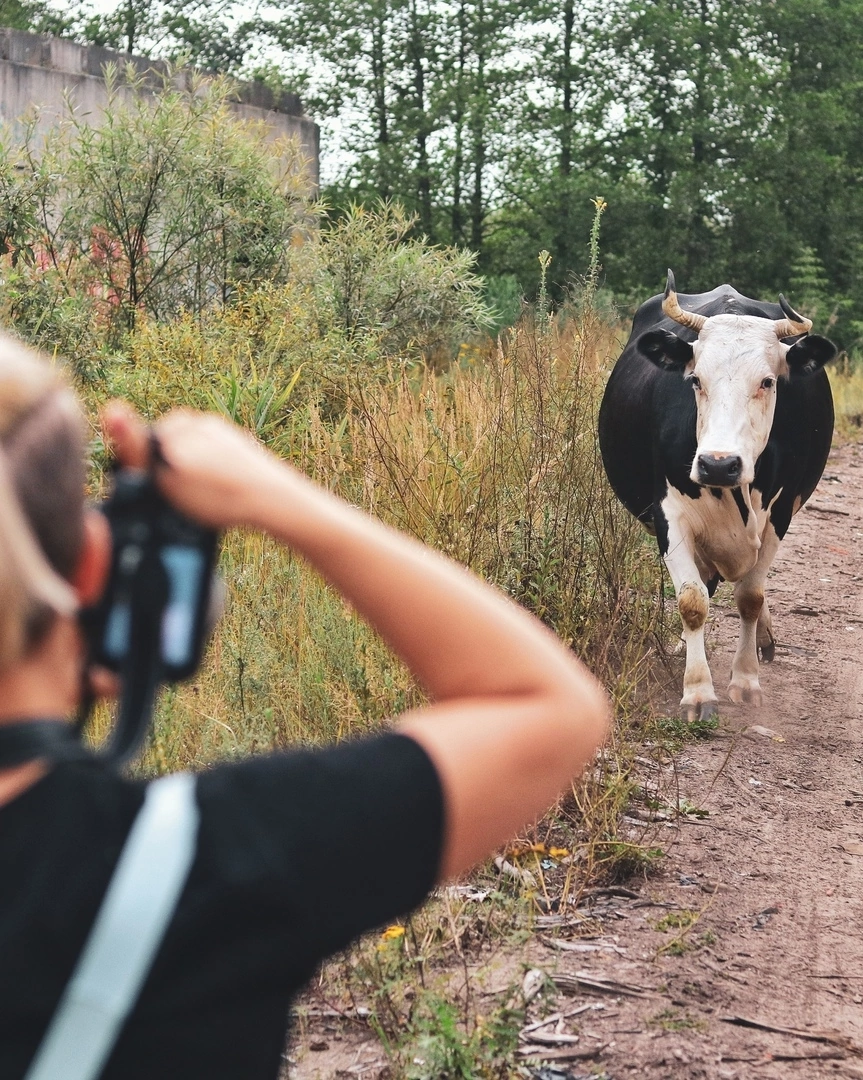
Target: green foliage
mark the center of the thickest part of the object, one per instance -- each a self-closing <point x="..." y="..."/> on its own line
<point x="723" y="135"/>
<point x="670" y="1019"/>
<point x="208" y="33"/>
<point x="811" y="289"/>
<point x="676" y="731"/>
<point x="370" y="276"/>
<point x="505" y="299"/>
<point x="169" y="205"/>
<point x="439" y="1044"/>
<point x="37" y="16"/>
<point x="676" y="920"/>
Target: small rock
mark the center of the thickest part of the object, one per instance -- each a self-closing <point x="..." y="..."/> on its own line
<point x="532" y="984"/>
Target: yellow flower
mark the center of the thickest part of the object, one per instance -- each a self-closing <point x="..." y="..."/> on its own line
<point x="599" y="203"/>
<point x="392" y="933"/>
<point x="558" y="852"/>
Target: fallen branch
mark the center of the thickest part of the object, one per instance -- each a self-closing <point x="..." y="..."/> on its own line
<point x="827" y="510"/>
<point x="824" y="1036"/>
<point x="564" y="1054"/>
<point x="581" y="946"/>
<point x="837" y="975"/>
<point x="584" y="980"/>
<point x="769" y="1058"/>
<point x="612" y="890"/>
<point x="550" y="1038"/>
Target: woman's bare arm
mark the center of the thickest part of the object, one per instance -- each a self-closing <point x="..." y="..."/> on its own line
<point x="514" y="716"/>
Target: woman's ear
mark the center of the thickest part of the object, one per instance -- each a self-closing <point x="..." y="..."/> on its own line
<point x="94" y="562"/>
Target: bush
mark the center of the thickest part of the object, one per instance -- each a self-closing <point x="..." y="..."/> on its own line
<point x="370" y="276"/>
<point x="170" y="205"/>
<point x="494" y="462"/>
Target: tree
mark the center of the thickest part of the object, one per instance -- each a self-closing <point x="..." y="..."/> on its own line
<point x="205" y="33"/>
<point x="37" y="16"/>
<point x="419" y="89"/>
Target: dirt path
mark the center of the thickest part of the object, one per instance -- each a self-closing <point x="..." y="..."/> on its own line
<point x="778" y="902"/>
<point x="780" y="940"/>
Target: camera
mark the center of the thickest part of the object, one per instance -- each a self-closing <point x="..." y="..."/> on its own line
<point x="151" y="624"/>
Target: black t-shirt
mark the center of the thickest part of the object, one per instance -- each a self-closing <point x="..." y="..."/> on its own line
<point x="297" y="854"/>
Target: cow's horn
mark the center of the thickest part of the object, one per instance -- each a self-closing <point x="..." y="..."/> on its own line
<point x="794" y="324"/>
<point x="674" y="311"/>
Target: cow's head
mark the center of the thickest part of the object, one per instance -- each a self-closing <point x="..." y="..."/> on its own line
<point x="733" y="366"/>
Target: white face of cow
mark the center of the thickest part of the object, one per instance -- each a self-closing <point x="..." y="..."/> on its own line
<point x="733" y="367"/>
<point x="736" y="362"/>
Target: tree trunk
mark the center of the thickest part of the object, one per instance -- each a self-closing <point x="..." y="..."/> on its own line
<point x="379" y="80"/>
<point x="423" y="177"/>
<point x="477" y="204"/>
<point x="457" y="214"/>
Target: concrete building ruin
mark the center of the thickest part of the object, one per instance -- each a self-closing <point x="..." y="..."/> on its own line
<point x="37" y="70"/>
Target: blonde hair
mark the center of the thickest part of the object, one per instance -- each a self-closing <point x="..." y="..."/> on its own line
<point x="41" y="497"/>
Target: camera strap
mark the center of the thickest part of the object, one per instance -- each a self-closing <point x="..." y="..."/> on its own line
<point x="129" y="928"/>
<point x="27" y="740"/>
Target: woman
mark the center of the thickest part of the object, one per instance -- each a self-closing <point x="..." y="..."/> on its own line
<point x="297" y="853"/>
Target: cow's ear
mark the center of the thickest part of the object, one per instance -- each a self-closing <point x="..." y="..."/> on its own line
<point x="809" y="355"/>
<point x="666" y="350"/>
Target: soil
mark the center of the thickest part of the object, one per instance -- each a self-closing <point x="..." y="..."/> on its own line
<point x="769" y="863"/>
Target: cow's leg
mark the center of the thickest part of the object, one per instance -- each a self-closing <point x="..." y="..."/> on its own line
<point x="764" y="635"/>
<point x="755" y="627"/>
<point x="699" y="698"/>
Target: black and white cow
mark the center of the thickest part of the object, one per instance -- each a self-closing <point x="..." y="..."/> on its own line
<point x="715" y="428"/>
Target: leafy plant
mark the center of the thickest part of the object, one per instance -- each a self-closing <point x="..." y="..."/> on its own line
<point x="371" y="275"/>
<point x="439" y="1044"/>
<point x="170" y="204"/>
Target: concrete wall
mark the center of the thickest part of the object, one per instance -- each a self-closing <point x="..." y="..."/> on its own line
<point x="37" y="70"/>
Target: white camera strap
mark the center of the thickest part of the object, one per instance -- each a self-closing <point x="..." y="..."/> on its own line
<point x="136" y="910"/>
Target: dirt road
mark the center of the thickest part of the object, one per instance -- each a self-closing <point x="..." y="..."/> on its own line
<point x="756" y="911"/>
<point x="780" y="936"/>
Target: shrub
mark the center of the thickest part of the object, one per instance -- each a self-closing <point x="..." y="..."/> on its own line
<point x="169" y="205"/>
<point x="494" y="462"/>
<point x="371" y="276"/>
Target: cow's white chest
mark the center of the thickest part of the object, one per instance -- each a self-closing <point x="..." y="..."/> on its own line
<point x="715" y="528"/>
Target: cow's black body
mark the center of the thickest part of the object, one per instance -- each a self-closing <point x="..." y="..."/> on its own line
<point x="647" y="423"/>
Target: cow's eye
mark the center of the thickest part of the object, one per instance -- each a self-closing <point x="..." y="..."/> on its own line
<point x="767" y="384"/>
<point x="696" y="382"/>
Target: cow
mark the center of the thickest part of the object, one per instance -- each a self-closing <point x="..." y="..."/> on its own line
<point x="714" y="428"/>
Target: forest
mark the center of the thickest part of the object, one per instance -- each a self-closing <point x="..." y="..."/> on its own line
<point x="724" y="137"/>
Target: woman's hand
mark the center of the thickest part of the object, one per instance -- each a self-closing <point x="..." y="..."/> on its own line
<point x="208" y="468"/>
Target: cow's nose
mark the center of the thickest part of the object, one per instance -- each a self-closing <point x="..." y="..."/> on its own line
<point x="721" y="471"/>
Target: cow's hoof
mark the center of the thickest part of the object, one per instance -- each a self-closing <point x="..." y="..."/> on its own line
<point x="766" y="644"/>
<point x="750" y="695"/>
<point x="699" y="712"/>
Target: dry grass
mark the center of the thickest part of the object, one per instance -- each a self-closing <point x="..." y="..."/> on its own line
<point x="494" y="462"/>
<point x="846" y="381"/>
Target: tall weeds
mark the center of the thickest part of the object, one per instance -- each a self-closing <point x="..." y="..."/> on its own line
<point x="494" y="462"/>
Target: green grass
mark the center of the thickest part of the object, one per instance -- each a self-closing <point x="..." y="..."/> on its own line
<point x="671" y="1019"/>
